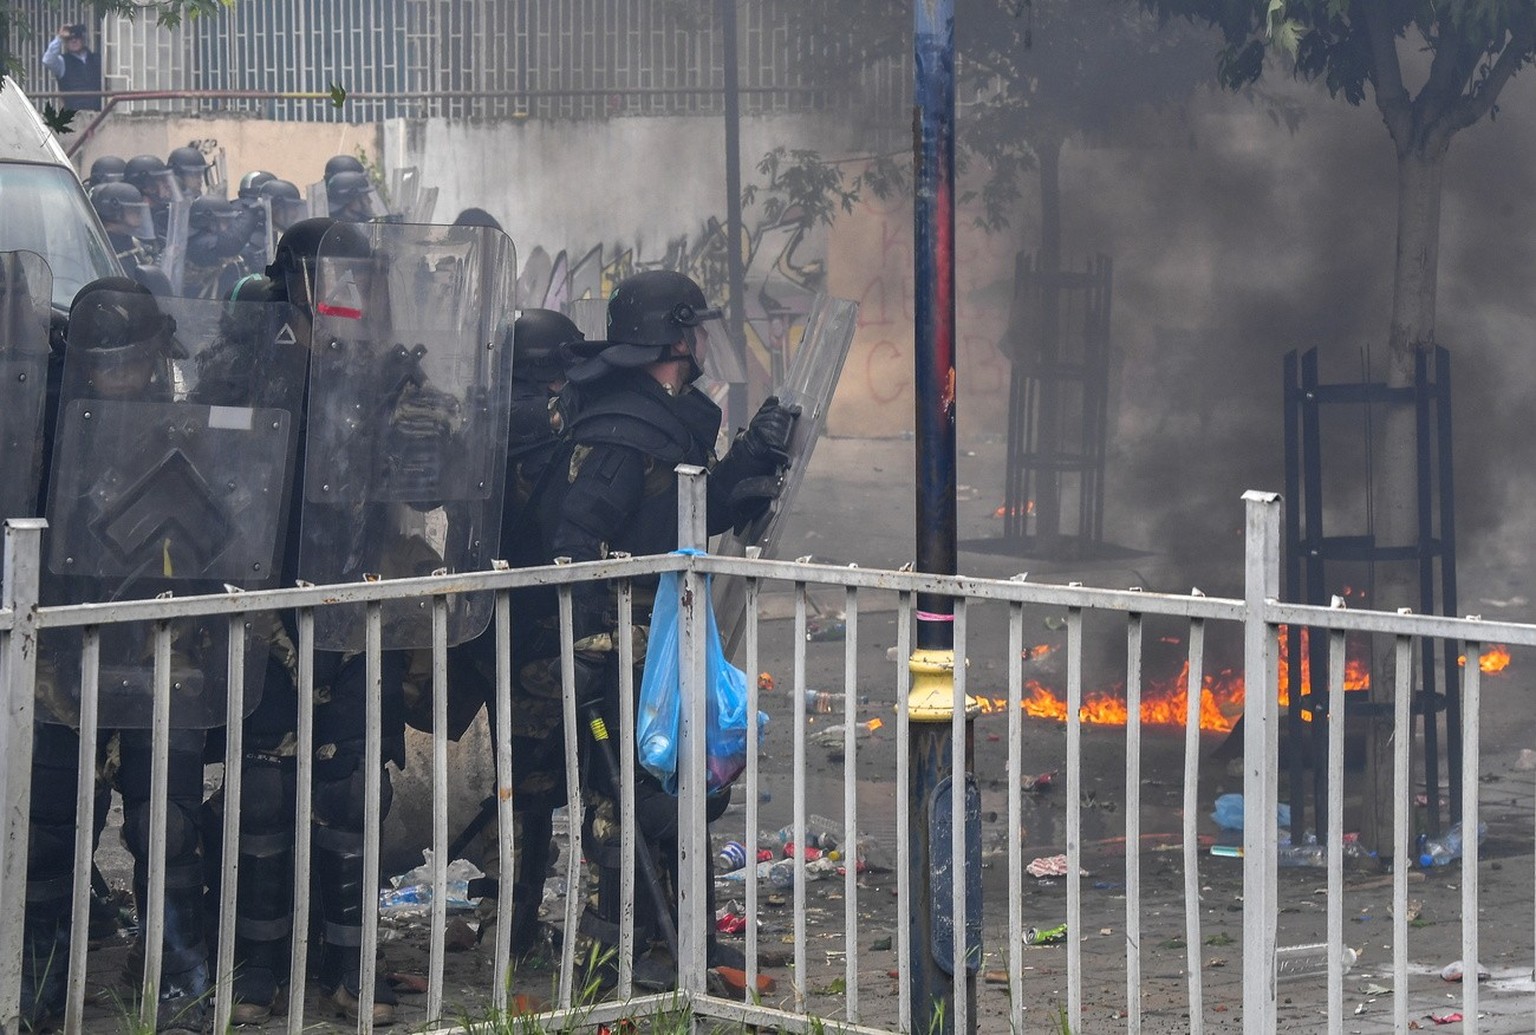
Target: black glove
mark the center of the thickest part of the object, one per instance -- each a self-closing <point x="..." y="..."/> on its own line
<point x="588" y="679"/>
<point x="750" y="498"/>
<point x="767" y="437"/>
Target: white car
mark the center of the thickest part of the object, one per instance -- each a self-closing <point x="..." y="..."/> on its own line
<point x="45" y="207"/>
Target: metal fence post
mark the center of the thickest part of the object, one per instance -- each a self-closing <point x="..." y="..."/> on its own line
<point x="1261" y="761"/>
<point x="18" y="681"/>
<point x="693" y="829"/>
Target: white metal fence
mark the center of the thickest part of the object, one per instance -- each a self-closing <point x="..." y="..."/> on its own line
<point x="462" y="59"/>
<point x="987" y="613"/>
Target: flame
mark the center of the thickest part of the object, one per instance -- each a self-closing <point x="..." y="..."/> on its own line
<point x="1166" y="702"/>
<point x="1163" y="703"/>
<point x="1357" y="665"/>
<point x="1493" y="660"/>
<point x="1024" y="511"/>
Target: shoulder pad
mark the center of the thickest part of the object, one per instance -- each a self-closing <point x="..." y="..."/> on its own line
<point x="633" y="420"/>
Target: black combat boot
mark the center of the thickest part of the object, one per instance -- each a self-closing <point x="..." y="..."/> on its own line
<point x="185" y="996"/>
<point x="338" y="869"/>
<point x="263" y="925"/>
<point x="45" y="952"/>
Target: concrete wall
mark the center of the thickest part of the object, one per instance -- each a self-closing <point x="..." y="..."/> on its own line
<point x="635" y="187"/>
<point x="294" y="151"/>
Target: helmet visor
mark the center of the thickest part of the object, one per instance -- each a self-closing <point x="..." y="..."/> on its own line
<point x="137" y="219"/>
<point x="715" y="351"/>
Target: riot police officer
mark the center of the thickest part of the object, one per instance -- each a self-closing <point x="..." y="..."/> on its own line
<point x="191" y="170"/>
<point x="120" y="347"/>
<point x="158" y="185"/>
<point x="539" y="414"/>
<point x="640" y="416"/>
<point x="264" y="903"/>
<point x="351" y="197"/>
<point x="125" y="216"/>
<point x="287" y="204"/>
<point x="217" y="232"/>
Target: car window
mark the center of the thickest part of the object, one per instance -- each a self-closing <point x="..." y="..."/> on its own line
<point x="47" y="212"/>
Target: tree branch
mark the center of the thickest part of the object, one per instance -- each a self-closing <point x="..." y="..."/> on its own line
<point x="1386" y="74"/>
<point x="1448" y="70"/>
<point x="1472" y="107"/>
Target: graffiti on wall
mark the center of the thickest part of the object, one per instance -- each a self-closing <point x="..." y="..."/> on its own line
<point x="785" y="268"/>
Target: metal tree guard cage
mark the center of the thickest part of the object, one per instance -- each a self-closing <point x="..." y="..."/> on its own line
<point x="1314" y="558"/>
<point x="1058" y="344"/>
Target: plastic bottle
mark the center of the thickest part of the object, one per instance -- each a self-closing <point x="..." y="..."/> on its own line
<point x="820" y="832"/>
<point x="1301" y="855"/>
<point x="779" y="874"/>
<point x="1301" y="961"/>
<point x="823" y="702"/>
<point x="1446" y="849"/>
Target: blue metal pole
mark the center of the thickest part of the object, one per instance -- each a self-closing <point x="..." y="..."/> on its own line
<point x="931" y="702"/>
<point x="934" y="307"/>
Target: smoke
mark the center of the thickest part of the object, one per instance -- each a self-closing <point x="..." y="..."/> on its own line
<point x="1256" y="241"/>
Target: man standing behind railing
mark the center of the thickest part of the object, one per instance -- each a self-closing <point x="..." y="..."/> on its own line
<point x="76" y="66"/>
<point x="614" y="488"/>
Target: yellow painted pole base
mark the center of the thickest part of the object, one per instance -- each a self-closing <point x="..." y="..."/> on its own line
<point x="932" y="697"/>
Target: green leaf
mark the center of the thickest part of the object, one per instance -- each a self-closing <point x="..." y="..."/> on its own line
<point x="59" y="119"/>
<point x="1286" y="37"/>
<point x="338" y="95"/>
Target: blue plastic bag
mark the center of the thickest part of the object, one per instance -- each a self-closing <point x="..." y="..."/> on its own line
<point x="660" y="704"/>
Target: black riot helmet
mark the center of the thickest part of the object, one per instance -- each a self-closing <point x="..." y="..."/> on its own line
<point x="297" y="255"/>
<point x="151" y="176"/>
<point x="537" y="353"/>
<point x="138" y="169"/>
<point x="106" y="169"/>
<point x="120" y="205"/>
<point x="275" y="188"/>
<point x="252" y="182"/>
<point x="648" y="314"/>
<point x="341" y="164"/>
<point x="477" y="217"/>
<point x="657" y="307"/>
<point x="120" y="334"/>
<point x="190" y="167"/>
<point x="208" y="213"/>
<point x="345" y="186"/>
<point x="349" y="196"/>
<point x="288" y="206"/>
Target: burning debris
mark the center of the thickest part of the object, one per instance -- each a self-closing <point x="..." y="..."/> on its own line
<point x="1165" y="702"/>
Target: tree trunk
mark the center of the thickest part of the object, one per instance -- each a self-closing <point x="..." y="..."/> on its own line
<point x="1396" y="488"/>
<point x="1419" y="177"/>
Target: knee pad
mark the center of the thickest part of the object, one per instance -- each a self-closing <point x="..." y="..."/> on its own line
<point x="182" y="832"/>
<point x="267" y="789"/>
<point x="340" y="792"/>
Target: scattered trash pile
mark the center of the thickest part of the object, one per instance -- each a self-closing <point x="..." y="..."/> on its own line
<point x="411" y="892"/>
<point x="823" y="850"/>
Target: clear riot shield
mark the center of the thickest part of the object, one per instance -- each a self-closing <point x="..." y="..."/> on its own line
<point x="282" y="213"/>
<point x="218" y="176"/>
<point x="590" y="315"/>
<point x="410" y="201"/>
<point x="407" y="428"/>
<point x="809" y="384"/>
<point x="319" y="200"/>
<point x="26" y="285"/>
<point x="173" y="461"/>
<point x="173" y="258"/>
